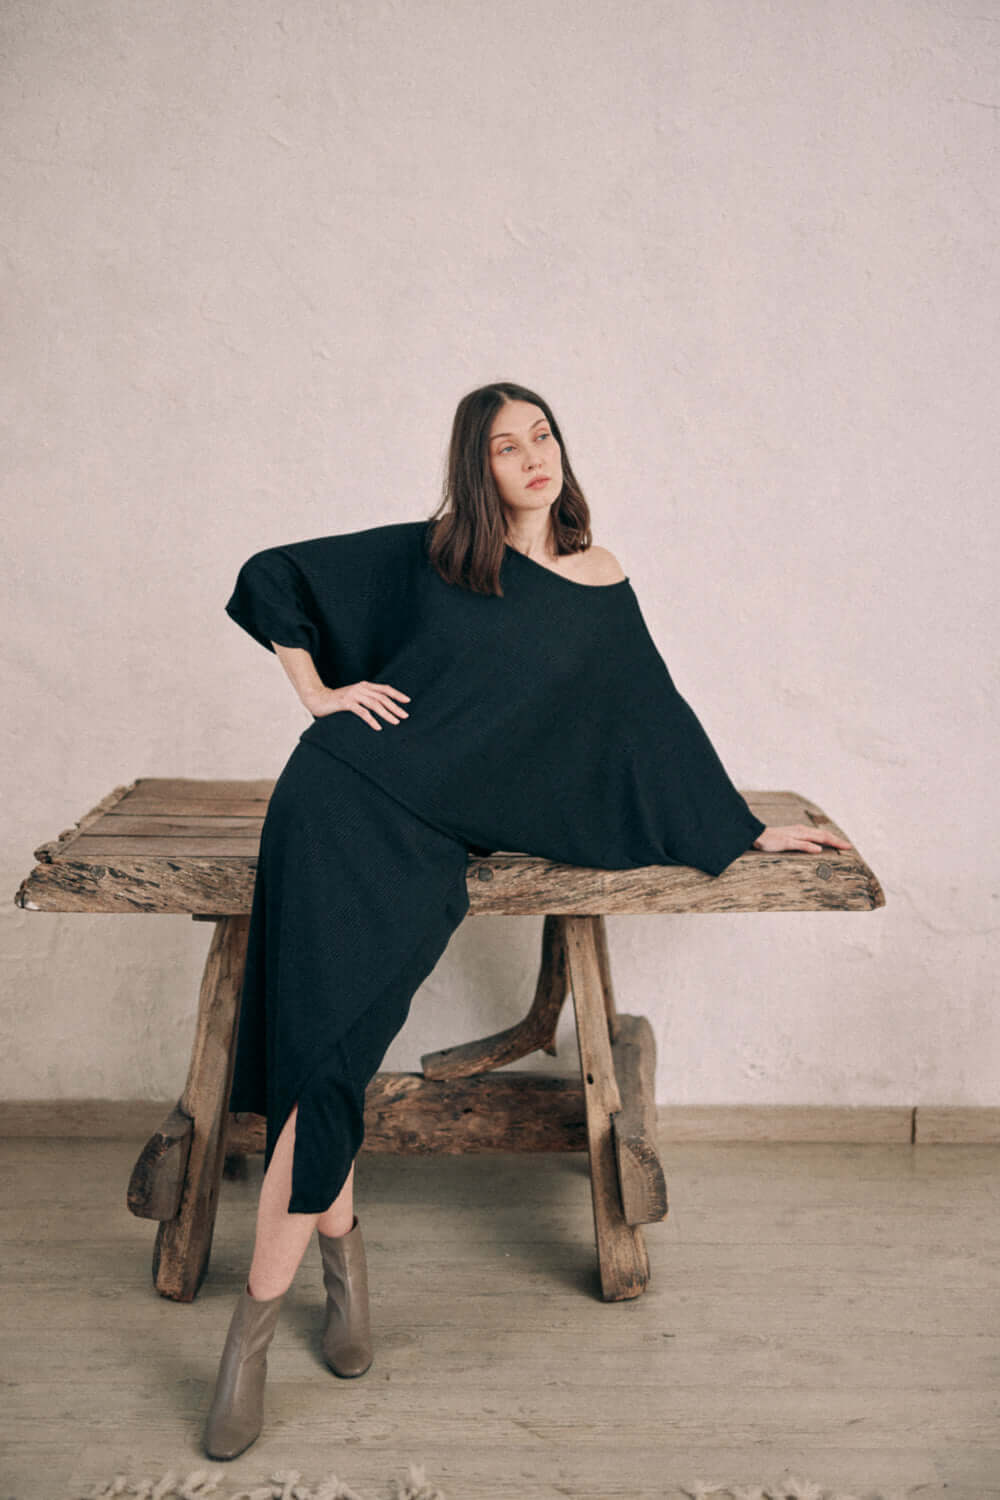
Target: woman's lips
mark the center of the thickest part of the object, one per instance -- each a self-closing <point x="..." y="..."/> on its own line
<point x="537" y="483"/>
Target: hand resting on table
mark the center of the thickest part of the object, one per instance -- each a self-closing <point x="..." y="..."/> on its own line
<point x="799" y="836"/>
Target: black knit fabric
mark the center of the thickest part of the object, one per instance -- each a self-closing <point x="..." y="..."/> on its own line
<point x="354" y="903"/>
<point x="544" y="721"/>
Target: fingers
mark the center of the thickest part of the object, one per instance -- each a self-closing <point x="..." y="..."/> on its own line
<point x="801" y="836"/>
<point x="387" y="708"/>
<point x="376" y="696"/>
<point x="381" y="707"/>
<point x="363" y="713"/>
<point x="821" y="836"/>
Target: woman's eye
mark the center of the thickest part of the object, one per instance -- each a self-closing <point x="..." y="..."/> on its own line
<point x="507" y="446"/>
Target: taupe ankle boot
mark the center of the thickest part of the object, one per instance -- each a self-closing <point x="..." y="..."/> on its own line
<point x="347" y="1340"/>
<point x="235" y="1418"/>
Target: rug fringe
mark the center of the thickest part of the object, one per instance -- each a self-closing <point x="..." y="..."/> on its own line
<point x="417" y="1487"/>
<point x="283" y="1485"/>
<point x="792" y="1488"/>
<point x="201" y="1484"/>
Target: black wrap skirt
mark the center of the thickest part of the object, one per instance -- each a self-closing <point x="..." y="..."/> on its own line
<point x="355" y="900"/>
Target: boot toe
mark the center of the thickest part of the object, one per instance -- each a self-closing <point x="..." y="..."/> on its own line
<point x="348" y="1360"/>
<point x="227" y="1440"/>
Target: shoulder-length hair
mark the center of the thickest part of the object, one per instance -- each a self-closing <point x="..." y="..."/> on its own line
<point x="468" y="534"/>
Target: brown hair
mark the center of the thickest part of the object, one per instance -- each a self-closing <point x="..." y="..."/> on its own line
<point x="466" y="543"/>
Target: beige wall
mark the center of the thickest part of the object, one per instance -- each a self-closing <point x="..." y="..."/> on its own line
<point x="253" y="257"/>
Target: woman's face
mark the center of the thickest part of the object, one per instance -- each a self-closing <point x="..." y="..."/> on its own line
<point x="523" y="449"/>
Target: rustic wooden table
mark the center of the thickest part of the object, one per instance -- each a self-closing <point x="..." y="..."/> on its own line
<point x="190" y="846"/>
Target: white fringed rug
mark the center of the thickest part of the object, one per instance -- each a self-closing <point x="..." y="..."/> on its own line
<point x="288" y="1485"/>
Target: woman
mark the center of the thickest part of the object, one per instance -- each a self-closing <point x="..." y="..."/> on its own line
<point x="481" y="680"/>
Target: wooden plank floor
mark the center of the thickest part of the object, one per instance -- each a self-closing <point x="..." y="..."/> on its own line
<point x="830" y="1311"/>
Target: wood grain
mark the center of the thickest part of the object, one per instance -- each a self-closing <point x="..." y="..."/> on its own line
<point x="184" y="1242"/>
<point x="640" y="1172"/>
<point x="414" y="1115"/>
<point x="621" y="1252"/>
<point x="167" y="844"/>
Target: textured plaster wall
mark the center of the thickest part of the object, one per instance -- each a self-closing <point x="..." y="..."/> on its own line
<point x="252" y="258"/>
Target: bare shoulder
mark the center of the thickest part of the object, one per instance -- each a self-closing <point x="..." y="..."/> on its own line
<point x="598" y="565"/>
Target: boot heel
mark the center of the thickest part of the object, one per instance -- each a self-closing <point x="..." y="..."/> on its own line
<point x="236" y="1414"/>
<point x="347" y="1340"/>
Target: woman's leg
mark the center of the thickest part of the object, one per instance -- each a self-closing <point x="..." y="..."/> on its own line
<point x="281" y="1237"/>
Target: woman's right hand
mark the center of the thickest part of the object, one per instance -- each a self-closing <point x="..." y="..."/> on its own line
<point x="799" y="836"/>
<point x="359" y="698"/>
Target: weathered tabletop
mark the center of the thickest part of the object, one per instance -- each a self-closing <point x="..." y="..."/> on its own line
<point x="164" y="844"/>
<point x="169" y="845"/>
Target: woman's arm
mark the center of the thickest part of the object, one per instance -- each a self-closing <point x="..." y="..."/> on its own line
<point x="301" y="670"/>
<point x="362" y="698"/>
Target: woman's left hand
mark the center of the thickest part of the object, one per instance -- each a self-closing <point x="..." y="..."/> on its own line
<point x="799" y="836"/>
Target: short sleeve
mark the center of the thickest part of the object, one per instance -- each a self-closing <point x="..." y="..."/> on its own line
<point x="348" y="599"/>
<point x="271" y="601"/>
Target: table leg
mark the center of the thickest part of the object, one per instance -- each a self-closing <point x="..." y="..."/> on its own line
<point x="604" y="965"/>
<point x="621" y="1249"/>
<point x="183" y="1244"/>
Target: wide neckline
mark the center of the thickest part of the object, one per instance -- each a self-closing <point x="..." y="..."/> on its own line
<point x="573" y="582"/>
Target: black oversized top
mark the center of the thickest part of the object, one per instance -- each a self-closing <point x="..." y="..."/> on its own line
<point x="544" y="721"/>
